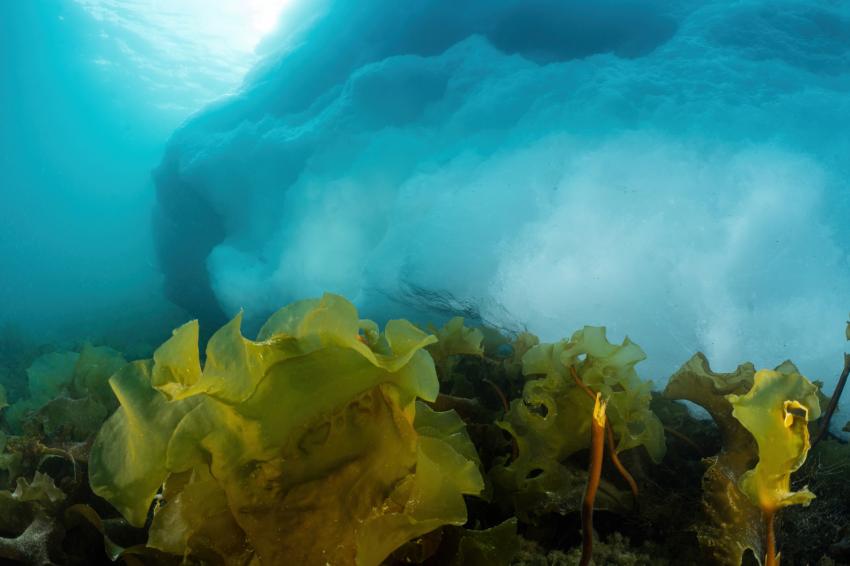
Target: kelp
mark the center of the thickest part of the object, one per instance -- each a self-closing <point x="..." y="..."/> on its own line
<point x="329" y="440"/>
<point x="28" y="514"/>
<point x="552" y="420"/>
<point x="278" y="446"/>
<point x="69" y="387"/>
<point x="731" y="524"/>
<point x="454" y="339"/>
<point x="763" y="442"/>
<point x="776" y="411"/>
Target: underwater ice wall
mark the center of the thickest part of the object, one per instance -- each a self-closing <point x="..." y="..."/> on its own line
<point x="674" y="170"/>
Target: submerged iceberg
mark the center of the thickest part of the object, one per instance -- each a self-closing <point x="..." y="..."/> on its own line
<point x="672" y="168"/>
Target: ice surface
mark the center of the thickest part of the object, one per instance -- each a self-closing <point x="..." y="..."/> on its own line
<point x="674" y="170"/>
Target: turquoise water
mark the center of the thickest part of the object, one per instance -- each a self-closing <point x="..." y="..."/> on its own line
<point x="676" y="171"/>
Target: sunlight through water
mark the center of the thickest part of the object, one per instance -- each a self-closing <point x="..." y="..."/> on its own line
<point x="188" y="52"/>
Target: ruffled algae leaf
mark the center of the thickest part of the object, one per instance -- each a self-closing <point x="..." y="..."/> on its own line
<point x="776" y="411"/>
<point x="454" y="339"/>
<point x="302" y="447"/>
<point x="127" y="461"/>
<point x="69" y="376"/>
<point x="94" y="367"/>
<point x="732" y="523"/>
<point x="27" y="513"/>
<point x="496" y="546"/>
<point x="762" y="418"/>
<point x="552" y="420"/>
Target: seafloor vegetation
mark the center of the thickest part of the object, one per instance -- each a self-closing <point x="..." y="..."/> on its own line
<point x="330" y="441"/>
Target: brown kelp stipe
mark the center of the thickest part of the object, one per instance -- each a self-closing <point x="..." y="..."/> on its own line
<point x="594" y="473"/>
<point x="506" y="406"/>
<point x="771" y="558"/>
<point x="833" y="402"/>
<point x="612" y="452"/>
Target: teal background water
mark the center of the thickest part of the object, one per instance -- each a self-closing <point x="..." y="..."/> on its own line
<point x="674" y="170"/>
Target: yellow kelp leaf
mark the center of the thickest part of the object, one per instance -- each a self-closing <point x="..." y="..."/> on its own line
<point x="307" y="435"/>
<point x="195" y="519"/>
<point x="776" y="411"/>
<point x="127" y="461"/>
<point x="234" y="365"/>
<point x="177" y="365"/>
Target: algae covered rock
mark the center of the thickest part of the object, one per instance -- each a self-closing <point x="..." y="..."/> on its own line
<point x="305" y="446"/>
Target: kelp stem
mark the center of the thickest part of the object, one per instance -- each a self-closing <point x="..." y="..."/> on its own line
<point x="833" y="402"/>
<point x="612" y="453"/>
<point x="770" y="559"/>
<point x="594" y="473"/>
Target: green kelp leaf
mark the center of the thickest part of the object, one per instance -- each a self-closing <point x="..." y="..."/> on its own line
<point x="127" y="460"/>
<point x="732" y="523"/>
<point x="51" y="375"/>
<point x="455" y="339"/>
<point x="27" y="514"/>
<point x="72" y="419"/>
<point x="550" y="423"/>
<point x="496" y="546"/>
<point x="776" y="411"/>
<point x="696" y="382"/>
<point x="552" y="420"/>
<point x="3" y="401"/>
<point x="520" y="346"/>
<point x="10" y="462"/>
<point x="68" y="375"/>
<point x="446" y="426"/>
<point x="610" y="370"/>
<point x="40" y="489"/>
<point x="78" y="513"/>
<point x="94" y="367"/>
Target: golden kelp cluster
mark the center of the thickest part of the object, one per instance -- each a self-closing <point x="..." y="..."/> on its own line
<point x="327" y="440"/>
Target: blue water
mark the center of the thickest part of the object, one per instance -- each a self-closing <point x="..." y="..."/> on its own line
<point x="677" y="171"/>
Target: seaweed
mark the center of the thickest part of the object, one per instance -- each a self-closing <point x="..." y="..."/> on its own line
<point x="330" y="440"/>
<point x="277" y="446"/>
